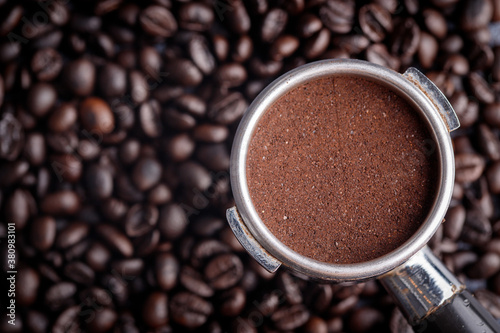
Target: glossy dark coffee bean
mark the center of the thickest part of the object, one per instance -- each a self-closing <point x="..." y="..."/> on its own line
<point x="193" y="176"/>
<point x="454" y="221"/>
<point x="493" y="177"/>
<point x="117" y="240"/>
<point x="46" y="64"/>
<point x="103" y="321"/>
<point x="491" y="114"/>
<point x="476" y="14"/>
<point x="155" y="310"/>
<point x="365" y="319"/>
<point x="283" y="47"/>
<point x="314" y="46"/>
<point x="18" y="208"/>
<point x="196" y="16"/>
<point x="79" y="273"/>
<point x="273" y="24"/>
<point x="11" y="136"/>
<point x="316" y="324"/>
<point x="12" y="172"/>
<point x="112" y="80"/>
<point x="28" y="282"/>
<point x="193" y="281"/>
<point x="172" y="221"/>
<point x="43" y="233"/>
<point x="68" y="322"/>
<point x="232" y="302"/>
<point x="205" y="250"/>
<point x="140" y="220"/>
<point x="189" y="310"/>
<point x="435" y="22"/>
<point x="183" y="72"/>
<point x="63" y="117"/>
<point x="96" y="115"/>
<point x="37" y="322"/>
<point x="405" y="39"/>
<point x="469" y="167"/>
<point x="72" y="234"/>
<point x="99" y="182"/>
<point x="79" y="77"/>
<point x="11" y="18"/>
<point x="236" y="15"/>
<point x="338" y="15"/>
<point x="146" y="173"/>
<point x="97" y="257"/>
<point x="487" y="266"/>
<point x="375" y="22"/>
<point x="477" y="228"/>
<point x="166" y="271"/>
<point x="428" y="49"/>
<point x="41" y="98"/>
<point x="179" y="147"/>
<point x="158" y="21"/>
<point x="227" y="109"/>
<point x="210" y="133"/>
<point x="290" y="317"/>
<point x="59" y="295"/>
<point x="34" y="149"/>
<point x="224" y="271"/>
<point x="481" y="89"/>
<point x="378" y="54"/>
<point x="67" y="167"/>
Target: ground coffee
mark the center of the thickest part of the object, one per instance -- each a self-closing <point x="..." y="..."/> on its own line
<point x="342" y="169"/>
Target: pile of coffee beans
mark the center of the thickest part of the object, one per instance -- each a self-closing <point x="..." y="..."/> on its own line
<point x="116" y="121"/>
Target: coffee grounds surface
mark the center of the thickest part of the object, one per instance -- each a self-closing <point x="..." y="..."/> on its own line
<point x="342" y="170"/>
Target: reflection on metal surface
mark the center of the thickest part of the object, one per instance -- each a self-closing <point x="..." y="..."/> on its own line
<point x="435" y="95"/>
<point x="421" y="285"/>
<point x="249" y="243"/>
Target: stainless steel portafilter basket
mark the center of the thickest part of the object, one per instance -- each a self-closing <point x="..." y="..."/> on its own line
<point x="429" y="295"/>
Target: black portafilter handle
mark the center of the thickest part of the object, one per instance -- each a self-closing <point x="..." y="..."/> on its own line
<point x="433" y="300"/>
<point x="462" y="314"/>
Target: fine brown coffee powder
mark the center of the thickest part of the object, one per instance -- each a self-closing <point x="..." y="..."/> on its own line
<point x="342" y="169"/>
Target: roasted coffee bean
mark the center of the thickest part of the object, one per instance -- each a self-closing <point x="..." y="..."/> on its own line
<point x="146" y="173"/>
<point x="79" y="273"/>
<point x="193" y="281"/>
<point x="183" y="72"/>
<point x="375" y="22"/>
<point x="11" y="19"/>
<point x="193" y="176"/>
<point x="227" y="109"/>
<point x="316" y="44"/>
<point x="477" y="228"/>
<point x="195" y="16"/>
<point x="378" y="54"/>
<point x="290" y="288"/>
<point x="238" y="18"/>
<point x="192" y="104"/>
<point x="96" y="115"/>
<point x="435" y="22"/>
<point x="476" y="14"/>
<point x="46" y="64"/>
<point x="155" y="310"/>
<point x="242" y="49"/>
<point x="480" y="88"/>
<point x="365" y="319"/>
<point x="139" y="88"/>
<point x="17" y="208"/>
<point x="308" y="25"/>
<point x="68" y="322"/>
<point x="41" y="98"/>
<point x="99" y="182"/>
<point x="34" y="149"/>
<point x="97" y="257"/>
<point x="232" y="302"/>
<point x="11" y="136"/>
<point x="290" y="317"/>
<point x="116" y="239"/>
<point x="487" y="266"/>
<point x="205" y="250"/>
<point x="112" y="80"/>
<point x="63" y="117"/>
<point x="214" y="156"/>
<point x="454" y="221"/>
<point x="126" y="190"/>
<point x="79" y="77"/>
<point x="428" y="49"/>
<point x="210" y="133"/>
<point x="43" y="233"/>
<point x="189" y="310"/>
<point x="72" y="234"/>
<point x="283" y="47"/>
<point x="66" y="167"/>
<point x="179" y="147"/>
<point x="316" y="324"/>
<point x="456" y="63"/>
<point x="103" y="320"/>
<point x="12" y="172"/>
<point x="488" y="142"/>
<point x="338" y="15"/>
<point x="59" y="295"/>
<point x="491" y="114"/>
<point x="469" y="167"/>
<point x="493" y="177"/>
<point x="273" y="24"/>
<point x="178" y="120"/>
<point x="172" y="221"/>
<point x="158" y="21"/>
<point x="406" y="37"/>
<point x="140" y="220"/>
<point x="37" y="322"/>
<point x="28" y="282"/>
<point x="224" y="271"/>
<point x="9" y="51"/>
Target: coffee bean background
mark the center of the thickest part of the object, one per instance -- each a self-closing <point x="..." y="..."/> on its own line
<point x="116" y="122"/>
